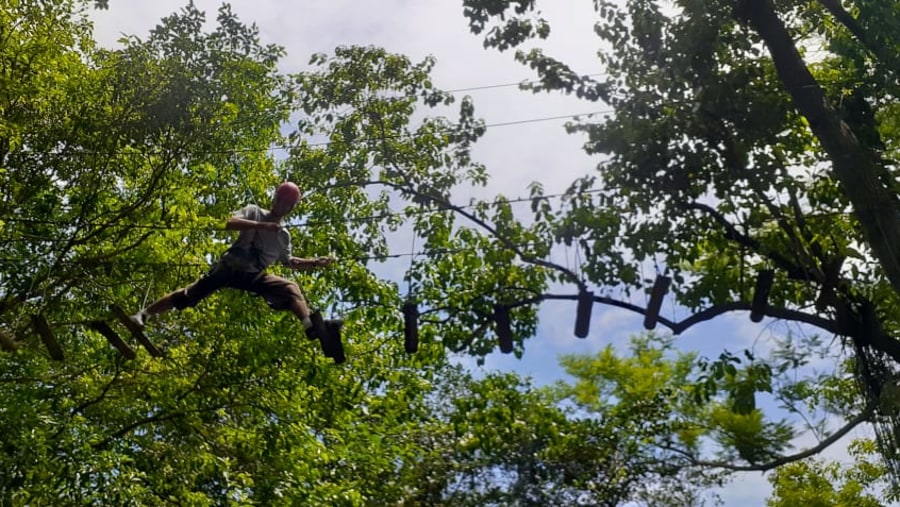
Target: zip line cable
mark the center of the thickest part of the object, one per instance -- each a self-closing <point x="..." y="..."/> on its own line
<point x="307" y="223"/>
<point x="360" y="258"/>
<point x="326" y="143"/>
<point x="380" y="217"/>
<point x="507" y="85"/>
<point x="285" y="147"/>
<point x="152" y="268"/>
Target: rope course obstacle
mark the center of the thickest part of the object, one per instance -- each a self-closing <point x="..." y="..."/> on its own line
<point x="504" y="333"/>
<point x="412" y="312"/>
<point x="501" y="319"/>
<point x="761" y="294"/>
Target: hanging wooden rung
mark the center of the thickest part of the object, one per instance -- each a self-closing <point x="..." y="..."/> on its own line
<point x="660" y="287"/>
<point x="42" y="328"/>
<point x="104" y="329"/>
<point x="135" y="331"/>
<point x="410" y="327"/>
<point x="761" y="294"/>
<point x="504" y="333"/>
<point x="583" y="315"/>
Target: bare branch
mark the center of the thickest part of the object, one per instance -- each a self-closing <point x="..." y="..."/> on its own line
<point x="489" y="228"/>
<point x="435" y="198"/>
<point x="100" y="397"/>
<point x="792" y="270"/>
<point x="864" y="416"/>
<point x="158" y="417"/>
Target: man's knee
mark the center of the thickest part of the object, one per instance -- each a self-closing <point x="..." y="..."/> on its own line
<point x="282" y="294"/>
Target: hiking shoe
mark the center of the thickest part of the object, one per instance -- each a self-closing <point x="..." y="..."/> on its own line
<point x="331" y="337"/>
<point x="140" y="318"/>
<point x="327" y="340"/>
<point x="335" y="345"/>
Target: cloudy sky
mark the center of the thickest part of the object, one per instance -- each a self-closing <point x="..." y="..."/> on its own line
<point x="537" y="150"/>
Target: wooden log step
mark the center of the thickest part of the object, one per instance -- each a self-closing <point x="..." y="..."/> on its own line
<point x="660" y="287"/>
<point x="761" y="294"/>
<point x="410" y="327"/>
<point x="42" y="328"/>
<point x="583" y="314"/>
<point x="113" y="338"/>
<point x="503" y="329"/>
<point x="136" y="331"/>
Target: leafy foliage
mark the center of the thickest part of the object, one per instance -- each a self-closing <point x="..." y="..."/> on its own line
<point x="121" y="164"/>
<point x="746" y="136"/>
<point x="822" y="483"/>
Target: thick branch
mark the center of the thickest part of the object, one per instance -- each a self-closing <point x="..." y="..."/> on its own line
<point x="844" y="18"/>
<point x="701" y="316"/>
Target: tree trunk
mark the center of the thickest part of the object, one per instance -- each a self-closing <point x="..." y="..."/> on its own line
<point x="864" y="180"/>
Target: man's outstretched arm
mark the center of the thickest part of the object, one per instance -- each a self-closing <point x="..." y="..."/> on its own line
<point x="243" y="224"/>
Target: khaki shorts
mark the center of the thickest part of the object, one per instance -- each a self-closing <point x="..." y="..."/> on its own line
<point x="278" y="292"/>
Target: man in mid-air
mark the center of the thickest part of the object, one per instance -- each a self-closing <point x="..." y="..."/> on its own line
<point x="261" y="242"/>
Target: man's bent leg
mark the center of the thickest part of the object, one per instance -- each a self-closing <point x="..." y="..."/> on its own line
<point x="163" y="304"/>
<point x="283" y="294"/>
<point x="185" y="297"/>
<point x="313" y="324"/>
<point x="299" y="308"/>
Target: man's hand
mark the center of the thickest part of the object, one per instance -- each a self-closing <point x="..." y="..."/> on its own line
<point x="317" y="262"/>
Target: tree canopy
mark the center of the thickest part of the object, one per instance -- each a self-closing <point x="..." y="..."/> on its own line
<point x="721" y="161"/>
<point x="749" y="141"/>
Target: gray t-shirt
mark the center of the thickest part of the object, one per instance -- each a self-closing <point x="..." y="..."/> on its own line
<point x="255" y="249"/>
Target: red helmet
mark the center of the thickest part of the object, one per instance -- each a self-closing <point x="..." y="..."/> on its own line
<point x="287" y="192"/>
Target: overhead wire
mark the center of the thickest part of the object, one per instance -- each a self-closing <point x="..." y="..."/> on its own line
<point x="326" y="143"/>
<point x="307" y="223"/>
<point x="360" y="258"/>
<point x="317" y="144"/>
<point x="507" y="85"/>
